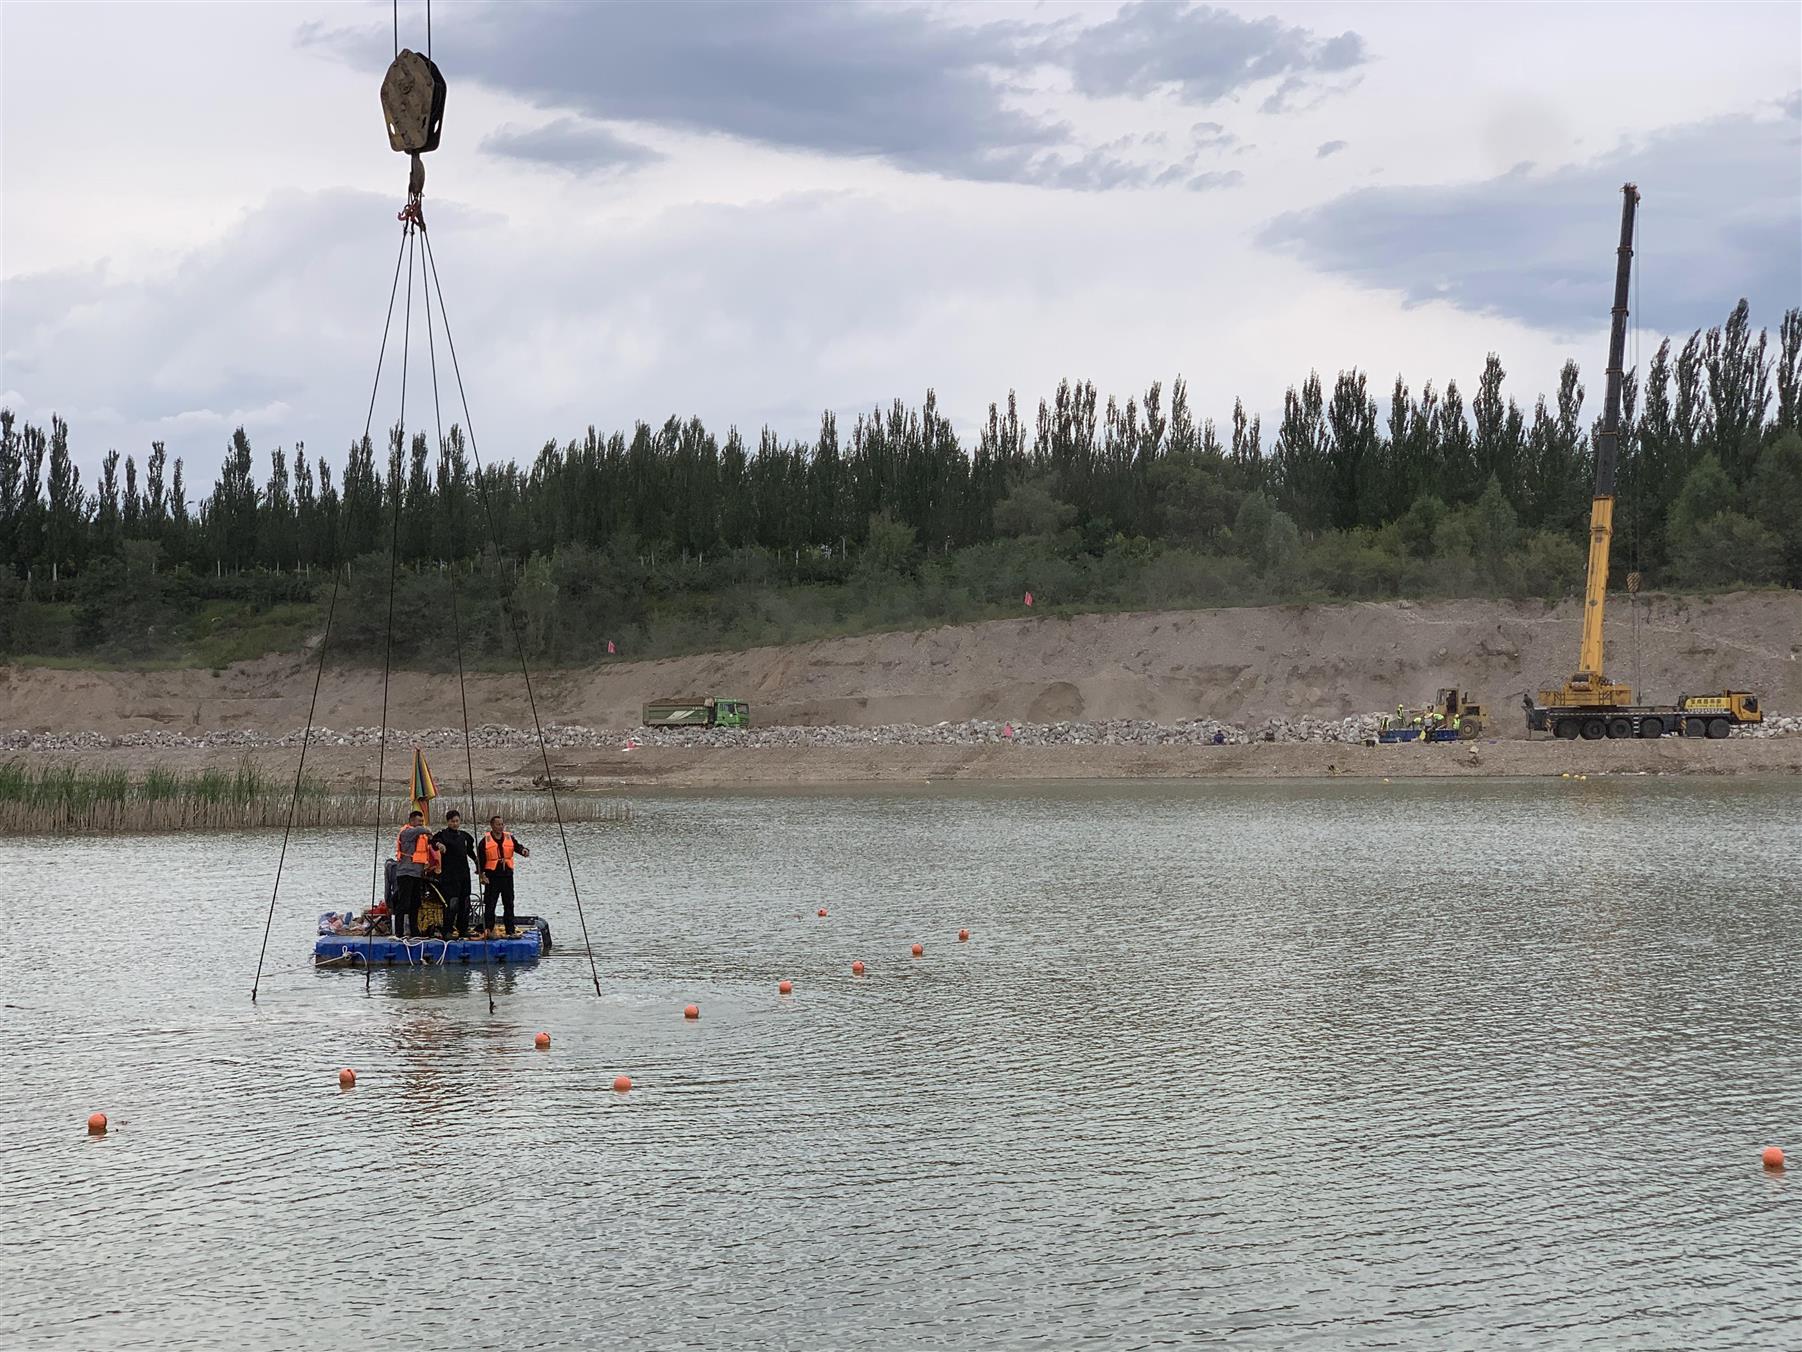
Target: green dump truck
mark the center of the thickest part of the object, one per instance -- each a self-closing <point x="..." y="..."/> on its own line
<point x="699" y="711"/>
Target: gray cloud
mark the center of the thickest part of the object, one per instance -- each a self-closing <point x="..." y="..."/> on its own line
<point x="1721" y="219"/>
<point x="231" y="336"/>
<point x="580" y="146"/>
<point x="900" y="84"/>
<point x="1200" y="53"/>
<point x="1327" y="149"/>
<point x="1227" y="178"/>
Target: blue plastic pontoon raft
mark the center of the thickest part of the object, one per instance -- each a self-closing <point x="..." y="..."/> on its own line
<point x="532" y="939"/>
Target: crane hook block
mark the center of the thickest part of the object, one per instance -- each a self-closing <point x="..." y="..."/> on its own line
<point x="413" y="103"/>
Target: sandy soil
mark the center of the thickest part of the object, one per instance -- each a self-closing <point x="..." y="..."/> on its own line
<point x="1241" y="665"/>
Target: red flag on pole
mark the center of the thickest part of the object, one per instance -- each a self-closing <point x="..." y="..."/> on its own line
<point x="1028" y="598"/>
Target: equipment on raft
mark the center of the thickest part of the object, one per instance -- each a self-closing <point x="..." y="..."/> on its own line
<point x="1588" y="704"/>
<point x="341" y="945"/>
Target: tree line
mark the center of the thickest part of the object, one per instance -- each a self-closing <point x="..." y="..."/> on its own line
<point x="1710" y="487"/>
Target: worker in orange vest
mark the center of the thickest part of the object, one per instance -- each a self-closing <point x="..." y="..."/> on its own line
<point x="497" y="850"/>
<point x="414" y="856"/>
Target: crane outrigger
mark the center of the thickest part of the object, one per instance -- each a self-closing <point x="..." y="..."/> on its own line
<point x="1589" y="704"/>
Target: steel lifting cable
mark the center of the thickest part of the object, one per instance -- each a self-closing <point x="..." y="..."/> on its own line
<point x="469" y="765"/>
<point x="550" y="780"/>
<point x="428" y="29"/>
<point x="331" y="607"/>
<point x="396" y="469"/>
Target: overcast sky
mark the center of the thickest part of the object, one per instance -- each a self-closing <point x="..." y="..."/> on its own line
<point x="753" y="211"/>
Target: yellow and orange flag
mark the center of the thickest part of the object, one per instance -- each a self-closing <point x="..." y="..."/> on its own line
<point x="424" y="789"/>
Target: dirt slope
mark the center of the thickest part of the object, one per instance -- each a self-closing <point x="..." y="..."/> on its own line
<point x="1237" y="664"/>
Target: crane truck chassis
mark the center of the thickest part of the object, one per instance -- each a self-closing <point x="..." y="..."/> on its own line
<point x="1691" y="716"/>
<point x="1588" y="704"/>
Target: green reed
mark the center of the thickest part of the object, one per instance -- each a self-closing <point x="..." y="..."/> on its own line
<point x="51" y="798"/>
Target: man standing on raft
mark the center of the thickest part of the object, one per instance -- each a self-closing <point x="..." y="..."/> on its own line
<point x="415" y="855"/>
<point x="497" y="851"/>
<point x="456" y="849"/>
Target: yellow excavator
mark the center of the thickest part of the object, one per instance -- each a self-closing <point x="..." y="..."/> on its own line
<point x="1588" y="704"/>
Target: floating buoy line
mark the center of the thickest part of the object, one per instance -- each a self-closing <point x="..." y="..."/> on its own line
<point x="413" y="101"/>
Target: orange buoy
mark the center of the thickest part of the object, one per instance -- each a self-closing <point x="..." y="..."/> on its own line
<point x="96" y="1124"/>
<point x="785" y="988"/>
<point x="691" y="1011"/>
<point x="621" y="1083"/>
<point x="1773" y="1155"/>
<point x="347" y="1078"/>
<point x="542" y="1041"/>
<point x="919" y="950"/>
<point x="822" y="910"/>
<point x="857" y="969"/>
<point x="963" y="936"/>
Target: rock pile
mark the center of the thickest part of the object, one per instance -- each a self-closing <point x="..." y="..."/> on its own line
<point x="1774" y="725"/>
<point x="486" y="737"/>
<point x="980" y="732"/>
<point x="974" y="732"/>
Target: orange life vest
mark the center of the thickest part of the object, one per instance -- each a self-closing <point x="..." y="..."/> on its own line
<point x="422" y="848"/>
<point x="497" y="853"/>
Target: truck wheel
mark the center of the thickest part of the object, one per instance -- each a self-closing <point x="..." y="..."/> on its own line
<point x="1620" y="727"/>
<point x="1717" y="728"/>
<point x="1470" y="729"/>
<point x="1565" y="730"/>
<point x="1651" y="727"/>
<point x="1695" y="727"/>
<point x="1593" y="729"/>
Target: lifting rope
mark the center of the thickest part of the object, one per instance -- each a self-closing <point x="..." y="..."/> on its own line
<point x="550" y="781"/>
<point x="413" y="104"/>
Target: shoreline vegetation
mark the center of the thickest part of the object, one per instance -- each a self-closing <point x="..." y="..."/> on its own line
<point x="674" y="539"/>
<point x="599" y="777"/>
<point x="62" y="797"/>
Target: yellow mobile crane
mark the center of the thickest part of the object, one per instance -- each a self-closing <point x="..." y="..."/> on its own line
<point x="1589" y="705"/>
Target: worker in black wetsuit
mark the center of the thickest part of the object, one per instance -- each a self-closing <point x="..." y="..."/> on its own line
<point x="496" y="859"/>
<point x="456" y="849"/>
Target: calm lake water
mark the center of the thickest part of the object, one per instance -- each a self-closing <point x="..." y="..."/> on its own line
<point x="1343" y="1065"/>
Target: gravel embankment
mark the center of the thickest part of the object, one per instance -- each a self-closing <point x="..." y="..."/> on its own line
<point x="974" y="732"/>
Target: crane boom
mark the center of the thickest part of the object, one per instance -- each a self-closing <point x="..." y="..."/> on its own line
<point x="1601" y="510"/>
<point x="1590" y="687"/>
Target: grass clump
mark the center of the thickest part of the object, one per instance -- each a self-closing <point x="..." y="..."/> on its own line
<point x="60" y="799"/>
